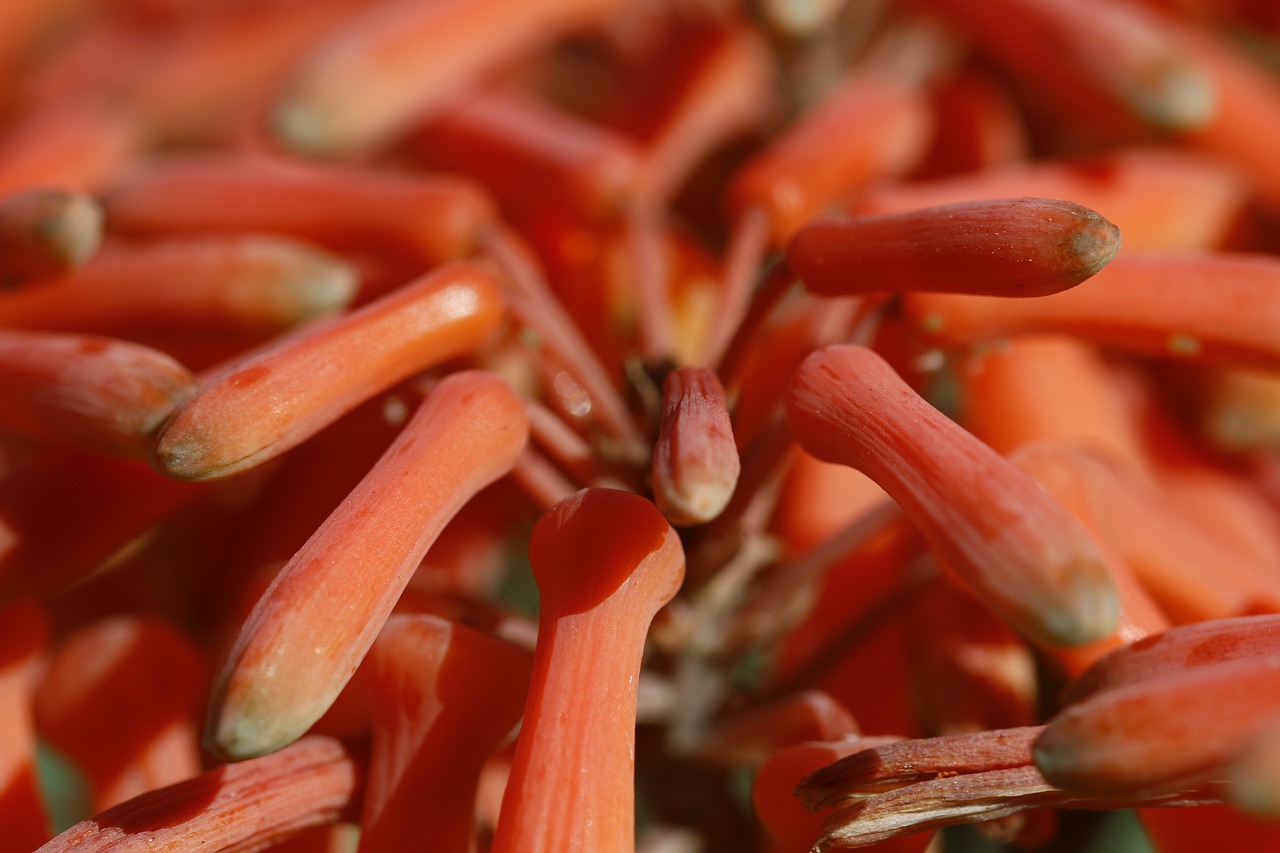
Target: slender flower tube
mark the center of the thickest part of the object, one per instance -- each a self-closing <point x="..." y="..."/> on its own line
<point x="76" y="143"/>
<point x="870" y="126"/>
<point x="205" y="86"/>
<point x="1048" y="388"/>
<point x="1163" y="734"/>
<point x="1116" y="64"/>
<point x="254" y="285"/>
<point x="423" y="219"/>
<point x="316" y="621"/>
<point x="1224" y="503"/>
<point x="1243" y="129"/>
<point x="236" y="807"/>
<point x="1057" y="468"/>
<point x="895" y="789"/>
<point x="606" y="562"/>
<point x="937" y="802"/>
<point x="1014" y="546"/>
<point x="1179" y="649"/>
<point x="266" y="404"/>
<point x="979" y="126"/>
<point x="1184" y="566"/>
<point x="695" y="461"/>
<point x="100" y="394"/>
<point x="725" y="89"/>
<point x="532" y="156"/>
<point x="1212" y="308"/>
<point x="1002" y="247"/>
<point x="722" y="87"/>
<point x="442" y="695"/>
<point x="402" y="59"/>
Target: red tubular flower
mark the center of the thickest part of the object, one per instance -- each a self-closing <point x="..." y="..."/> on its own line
<point x="244" y="806"/>
<point x="532" y="156"/>
<point x="695" y="461"/>
<point x="1215" y="308"/>
<point x="266" y="404"/>
<point x="399" y="61"/>
<point x="1015" y="547"/>
<point x="1114" y="64"/>
<point x="1128" y="741"/>
<point x="606" y="562"/>
<point x="250" y="285"/>
<point x="99" y="394"/>
<point x="1001" y="247"/>
<point x="435" y="724"/>
<point x="321" y="614"/>
<point x="426" y="220"/>
<point x="721" y="278"/>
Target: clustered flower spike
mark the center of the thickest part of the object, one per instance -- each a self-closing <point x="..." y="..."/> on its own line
<point x="639" y="425"/>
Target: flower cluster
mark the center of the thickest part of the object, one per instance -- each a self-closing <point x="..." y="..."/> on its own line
<point x="611" y="425"/>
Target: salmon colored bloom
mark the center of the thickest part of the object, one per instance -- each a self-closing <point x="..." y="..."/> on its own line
<point x="639" y="425"/>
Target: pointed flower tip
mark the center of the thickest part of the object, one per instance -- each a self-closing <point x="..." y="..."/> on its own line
<point x="71" y="223"/>
<point x="1089" y="612"/>
<point x="244" y="724"/>
<point x="1096" y="242"/>
<point x="695" y="459"/>
<point x="182" y="459"/>
<point x="1183" y="99"/>
<point x="299" y="129"/>
<point x="697" y="503"/>
<point x="325" y="284"/>
<point x="81" y="231"/>
<point x="237" y="735"/>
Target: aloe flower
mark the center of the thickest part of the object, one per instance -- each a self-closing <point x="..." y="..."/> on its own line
<point x="612" y="425"/>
